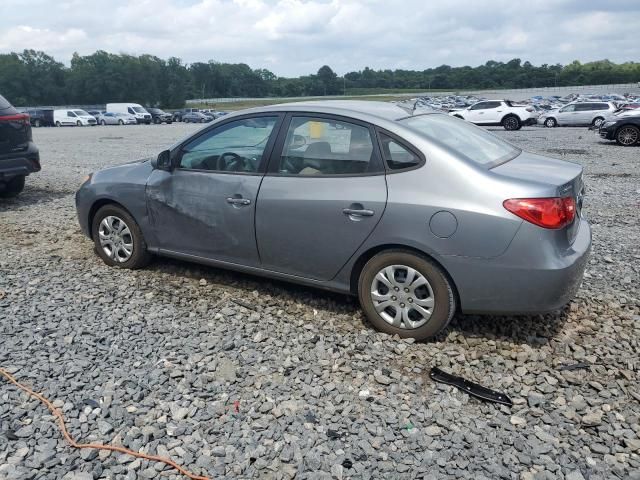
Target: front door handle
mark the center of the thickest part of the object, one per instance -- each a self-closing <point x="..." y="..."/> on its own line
<point x="238" y="201"/>
<point x="358" y="212"/>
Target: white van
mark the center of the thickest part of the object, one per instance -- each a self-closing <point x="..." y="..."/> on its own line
<point x="73" y="117"/>
<point x="138" y="111"/>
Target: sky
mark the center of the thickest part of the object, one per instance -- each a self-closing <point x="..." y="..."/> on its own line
<point x="297" y="37"/>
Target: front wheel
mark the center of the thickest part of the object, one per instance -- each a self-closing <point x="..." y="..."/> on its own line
<point x="118" y="238"/>
<point x="628" y="135"/>
<point x="12" y="188"/>
<point x="406" y="294"/>
<point x="120" y="122"/>
<point x="550" y="122"/>
<point x="79" y="123"/>
<point x="37" y="123"/>
<point x="511" y="122"/>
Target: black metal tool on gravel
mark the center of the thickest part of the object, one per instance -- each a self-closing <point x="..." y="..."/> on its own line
<point x="473" y="389"/>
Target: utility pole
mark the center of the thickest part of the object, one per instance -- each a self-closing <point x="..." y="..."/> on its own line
<point x="344" y="86"/>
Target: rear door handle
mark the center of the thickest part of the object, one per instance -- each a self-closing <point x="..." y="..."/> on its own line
<point x="238" y="201"/>
<point x="355" y="212"/>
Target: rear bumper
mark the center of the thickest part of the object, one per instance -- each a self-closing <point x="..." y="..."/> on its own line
<point x="22" y="163"/>
<point x="532" y="276"/>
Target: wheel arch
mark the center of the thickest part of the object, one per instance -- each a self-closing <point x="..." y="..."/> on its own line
<point x="359" y="264"/>
<point x="97" y="205"/>
<point x="510" y="114"/>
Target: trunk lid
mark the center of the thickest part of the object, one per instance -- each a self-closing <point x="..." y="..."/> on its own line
<point x="556" y="178"/>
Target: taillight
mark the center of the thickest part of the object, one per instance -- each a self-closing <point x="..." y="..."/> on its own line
<point x="554" y="213"/>
<point x="529" y="109"/>
<point x="16" y="117"/>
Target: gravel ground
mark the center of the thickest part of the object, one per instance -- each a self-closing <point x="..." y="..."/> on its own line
<point x="235" y="376"/>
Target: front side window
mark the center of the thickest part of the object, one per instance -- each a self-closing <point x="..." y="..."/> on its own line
<point x="463" y="138"/>
<point x="568" y="108"/>
<point x="397" y="156"/>
<point x="480" y="106"/>
<point x="139" y="110"/>
<point x="233" y="147"/>
<point x="320" y="146"/>
<point x="80" y="113"/>
<point x="71" y="114"/>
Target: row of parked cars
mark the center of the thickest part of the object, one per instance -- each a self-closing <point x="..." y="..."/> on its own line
<point x="117" y="114"/>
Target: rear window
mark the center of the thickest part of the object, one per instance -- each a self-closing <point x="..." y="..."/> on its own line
<point x="4" y="103"/>
<point x="465" y="139"/>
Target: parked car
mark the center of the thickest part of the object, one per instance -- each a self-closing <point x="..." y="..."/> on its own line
<point x="109" y="118"/>
<point x="578" y="114"/>
<point x="178" y="114"/>
<point x="19" y="156"/>
<point x="41" y="117"/>
<point x="498" y="112"/>
<point x="625" y="130"/>
<point x="196" y="117"/>
<point x="138" y="111"/>
<point x="418" y="215"/>
<point x="95" y="114"/>
<point x="159" y="116"/>
<point x="73" y="117"/>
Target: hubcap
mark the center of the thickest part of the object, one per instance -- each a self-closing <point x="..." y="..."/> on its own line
<point x="402" y="296"/>
<point x="628" y="136"/>
<point x="115" y="239"/>
<point x="550" y="123"/>
<point x="597" y="122"/>
<point x="511" y="123"/>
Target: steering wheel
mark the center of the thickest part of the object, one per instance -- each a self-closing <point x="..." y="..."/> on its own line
<point x="235" y="163"/>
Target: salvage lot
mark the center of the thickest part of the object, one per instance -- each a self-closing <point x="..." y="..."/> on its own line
<point x="237" y="376"/>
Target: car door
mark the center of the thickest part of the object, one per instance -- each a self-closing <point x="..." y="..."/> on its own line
<point x="492" y="113"/>
<point x="205" y="206"/>
<point x="475" y="113"/>
<point x="324" y="193"/>
<point x="566" y="115"/>
<point x="583" y="114"/>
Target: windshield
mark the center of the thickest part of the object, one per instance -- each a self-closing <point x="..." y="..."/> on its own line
<point x="80" y="113"/>
<point x="474" y="143"/>
<point x="139" y="110"/>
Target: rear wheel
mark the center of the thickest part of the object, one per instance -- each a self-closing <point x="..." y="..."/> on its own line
<point x="511" y="122"/>
<point x="406" y="294"/>
<point x="627" y="135"/>
<point x="37" y="123"/>
<point x="12" y="188"/>
<point x="58" y="124"/>
<point x="597" y="122"/>
<point x="103" y="123"/>
<point x="118" y="238"/>
<point x="550" y="122"/>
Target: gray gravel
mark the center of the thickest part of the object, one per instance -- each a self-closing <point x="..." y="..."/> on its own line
<point x="235" y="376"/>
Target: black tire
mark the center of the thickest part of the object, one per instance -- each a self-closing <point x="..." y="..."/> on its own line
<point x="628" y="135"/>
<point x="140" y="257"/>
<point x="58" y="124"/>
<point x="185" y="120"/>
<point x="511" y="122"/>
<point x="550" y="122"/>
<point x="37" y="123"/>
<point x="103" y="123"/>
<point x="120" y="122"/>
<point x="78" y="123"/>
<point x="444" y="297"/>
<point x="597" y="121"/>
<point x="12" y="188"/>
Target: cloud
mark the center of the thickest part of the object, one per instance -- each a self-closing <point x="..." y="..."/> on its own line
<point x="293" y="37"/>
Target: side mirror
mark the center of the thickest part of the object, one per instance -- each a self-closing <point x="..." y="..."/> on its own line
<point x="163" y="161"/>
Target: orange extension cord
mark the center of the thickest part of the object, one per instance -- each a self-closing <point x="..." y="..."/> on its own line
<point x="58" y="414"/>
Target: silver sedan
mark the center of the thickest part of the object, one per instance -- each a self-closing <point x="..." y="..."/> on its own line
<point x="108" y="118"/>
<point x="419" y="215"/>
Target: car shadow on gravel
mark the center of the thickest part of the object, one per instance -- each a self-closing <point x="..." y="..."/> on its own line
<point x="31" y="196"/>
<point x="533" y="330"/>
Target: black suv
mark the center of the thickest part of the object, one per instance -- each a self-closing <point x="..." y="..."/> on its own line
<point x="18" y="154"/>
<point x="159" y="116"/>
<point x="41" y="117"/>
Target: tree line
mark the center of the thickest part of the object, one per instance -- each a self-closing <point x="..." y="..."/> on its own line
<point x="35" y="78"/>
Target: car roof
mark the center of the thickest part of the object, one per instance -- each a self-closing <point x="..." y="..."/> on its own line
<point x="354" y="108"/>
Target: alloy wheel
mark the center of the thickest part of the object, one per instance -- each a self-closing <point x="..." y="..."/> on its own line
<point x="116" y="239"/>
<point x="511" y="123"/>
<point x="402" y="296"/>
<point x="627" y="136"/>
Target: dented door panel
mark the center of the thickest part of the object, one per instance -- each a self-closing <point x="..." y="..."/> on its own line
<point x="191" y="213"/>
